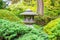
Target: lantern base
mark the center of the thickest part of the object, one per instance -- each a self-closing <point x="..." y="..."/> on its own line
<point x="29" y="22"/>
<point x="30" y="26"/>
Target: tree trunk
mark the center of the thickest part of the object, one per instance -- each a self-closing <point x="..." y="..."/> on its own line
<point x="40" y="7"/>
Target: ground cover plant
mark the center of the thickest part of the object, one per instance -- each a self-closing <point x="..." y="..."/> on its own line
<point x="14" y="31"/>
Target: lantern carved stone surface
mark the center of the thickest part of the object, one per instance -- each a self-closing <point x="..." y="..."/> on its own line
<point x="28" y="16"/>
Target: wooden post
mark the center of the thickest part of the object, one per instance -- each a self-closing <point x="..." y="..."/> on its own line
<point x="40" y="7"/>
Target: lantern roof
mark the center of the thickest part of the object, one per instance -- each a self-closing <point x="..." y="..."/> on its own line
<point x="28" y="12"/>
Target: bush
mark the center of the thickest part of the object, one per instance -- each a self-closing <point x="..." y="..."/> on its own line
<point x="7" y="15"/>
<point x="14" y="31"/>
<point x="51" y="9"/>
<point x="9" y="30"/>
<point x="20" y="7"/>
<point x="17" y="8"/>
<point x="35" y="34"/>
<point x="53" y="29"/>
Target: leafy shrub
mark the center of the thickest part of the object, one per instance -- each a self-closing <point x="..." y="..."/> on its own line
<point x="17" y="8"/>
<point x="53" y="29"/>
<point x="21" y="7"/>
<point x="5" y="14"/>
<point x="14" y="31"/>
<point x="9" y="30"/>
<point x="50" y="10"/>
<point x="35" y="34"/>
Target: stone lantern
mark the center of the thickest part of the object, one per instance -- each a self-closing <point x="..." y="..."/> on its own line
<point x="29" y="17"/>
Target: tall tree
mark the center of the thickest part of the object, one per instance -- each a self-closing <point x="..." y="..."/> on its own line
<point x="40" y="7"/>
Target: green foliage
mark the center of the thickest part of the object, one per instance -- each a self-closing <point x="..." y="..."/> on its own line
<point x="51" y="11"/>
<point x="1" y="4"/>
<point x="37" y="26"/>
<point x="9" y="30"/>
<point x="53" y="29"/>
<point x="7" y="15"/>
<point x="17" y="8"/>
<point x="14" y="31"/>
<point x="32" y="4"/>
<point x="21" y="7"/>
<point x="51" y="8"/>
<point x="35" y="34"/>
